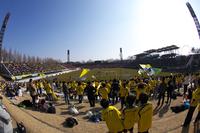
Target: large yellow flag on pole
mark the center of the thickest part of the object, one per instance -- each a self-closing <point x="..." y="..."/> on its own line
<point x="84" y="71"/>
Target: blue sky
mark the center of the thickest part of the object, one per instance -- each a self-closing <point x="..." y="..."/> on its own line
<point x="96" y="29"/>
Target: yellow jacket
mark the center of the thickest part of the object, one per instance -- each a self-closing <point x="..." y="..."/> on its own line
<point x="139" y="91"/>
<point x="41" y="85"/>
<point x="80" y="90"/>
<point x="130" y="116"/>
<point x="195" y="97"/>
<point x="145" y="117"/>
<point x="112" y="116"/>
<point x="104" y="93"/>
<point x="123" y="91"/>
<point x="48" y="88"/>
<point x="108" y="86"/>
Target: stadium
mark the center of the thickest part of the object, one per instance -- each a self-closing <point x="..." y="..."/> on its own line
<point x="43" y="95"/>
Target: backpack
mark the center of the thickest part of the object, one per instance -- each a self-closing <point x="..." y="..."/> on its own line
<point x="21" y="128"/>
<point x="178" y="109"/>
<point x="73" y="110"/>
<point x="25" y="103"/>
<point x="71" y="122"/>
<point x="51" y="110"/>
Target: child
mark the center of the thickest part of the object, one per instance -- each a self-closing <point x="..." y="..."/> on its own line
<point x="145" y="114"/>
<point x="112" y="116"/>
<point x="130" y="114"/>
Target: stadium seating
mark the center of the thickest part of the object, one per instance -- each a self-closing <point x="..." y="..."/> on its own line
<point x="30" y="68"/>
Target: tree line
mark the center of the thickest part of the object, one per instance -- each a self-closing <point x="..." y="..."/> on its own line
<point x="12" y="56"/>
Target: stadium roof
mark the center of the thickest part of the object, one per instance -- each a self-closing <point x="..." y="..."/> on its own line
<point x="159" y="50"/>
<point x="168" y="48"/>
<point x="151" y="51"/>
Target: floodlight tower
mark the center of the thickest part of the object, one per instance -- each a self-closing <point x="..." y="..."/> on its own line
<point x="197" y="27"/>
<point x="3" y="28"/>
<point x="68" y="56"/>
<point x="121" y="56"/>
<point x="194" y="17"/>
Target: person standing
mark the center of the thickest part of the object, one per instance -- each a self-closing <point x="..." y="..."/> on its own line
<point x="130" y="114"/>
<point x="186" y="83"/>
<point x="80" y="91"/>
<point x="103" y="91"/>
<point x="65" y="90"/>
<point x="170" y="89"/>
<point x="194" y="102"/>
<point x="115" y="91"/>
<point x="32" y="89"/>
<point x="112" y="116"/>
<point x="123" y="93"/>
<point x="49" y="91"/>
<point x="41" y="86"/>
<point x="91" y="94"/>
<point x="161" y="91"/>
<point x="145" y="114"/>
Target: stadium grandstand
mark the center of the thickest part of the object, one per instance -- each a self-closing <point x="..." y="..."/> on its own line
<point x="17" y="71"/>
<point x="165" y="58"/>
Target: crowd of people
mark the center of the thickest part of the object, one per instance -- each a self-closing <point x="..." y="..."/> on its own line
<point x="29" y="68"/>
<point x="133" y="95"/>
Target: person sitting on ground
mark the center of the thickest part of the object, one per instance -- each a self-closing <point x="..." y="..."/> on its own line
<point x="112" y="116"/>
<point x="130" y="114"/>
<point x="145" y="114"/>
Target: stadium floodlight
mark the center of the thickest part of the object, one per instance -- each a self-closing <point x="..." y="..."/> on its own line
<point x="194" y="18"/>
<point x="3" y="28"/>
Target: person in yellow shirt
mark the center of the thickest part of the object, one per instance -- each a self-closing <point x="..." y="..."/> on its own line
<point x="145" y="114"/>
<point x="112" y="116"/>
<point x="130" y="114"/>
<point x="123" y="93"/>
<point x="198" y="115"/>
<point x="40" y="86"/>
<point x="140" y="89"/>
<point x="103" y="91"/>
<point x="194" y="103"/>
<point x="80" y="91"/>
<point x="97" y="85"/>
<point x="132" y="86"/>
<point x="49" y="90"/>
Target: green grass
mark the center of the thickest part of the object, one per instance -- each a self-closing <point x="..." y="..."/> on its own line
<point x="104" y="74"/>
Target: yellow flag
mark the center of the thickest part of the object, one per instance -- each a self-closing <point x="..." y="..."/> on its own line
<point x="85" y="71"/>
<point x="13" y="77"/>
<point x="145" y="66"/>
<point x="42" y="75"/>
